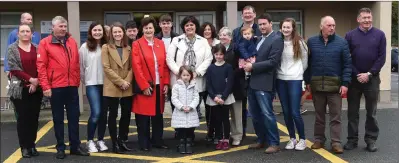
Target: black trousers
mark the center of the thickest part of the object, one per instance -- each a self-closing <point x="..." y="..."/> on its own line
<point x="28" y="109"/>
<point x="220" y="121"/>
<point x="183" y="133"/>
<point x="111" y="104"/>
<point x="143" y="125"/>
<point x="370" y="91"/>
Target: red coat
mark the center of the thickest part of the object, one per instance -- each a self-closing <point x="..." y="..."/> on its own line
<point x="145" y="105"/>
<point x="57" y="65"/>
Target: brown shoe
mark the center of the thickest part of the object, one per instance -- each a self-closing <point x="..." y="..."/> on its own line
<point x="337" y="148"/>
<point x="317" y="145"/>
<point x="272" y="149"/>
<point x="256" y="146"/>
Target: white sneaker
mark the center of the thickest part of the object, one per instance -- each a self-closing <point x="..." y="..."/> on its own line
<point x="301" y="145"/>
<point x="102" y="145"/>
<point x="91" y="146"/>
<point x="236" y="143"/>
<point x="291" y="144"/>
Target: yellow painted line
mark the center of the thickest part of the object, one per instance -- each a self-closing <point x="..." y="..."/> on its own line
<point x="16" y="156"/>
<point x="201" y="155"/>
<point x="123" y="156"/>
<point x="85" y="141"/>
<point x="322" y="152"/>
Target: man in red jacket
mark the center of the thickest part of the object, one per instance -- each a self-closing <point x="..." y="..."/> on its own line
<point x="59" y="76"/>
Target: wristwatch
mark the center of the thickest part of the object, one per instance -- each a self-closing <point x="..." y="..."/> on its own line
<point x="369" y="74"/>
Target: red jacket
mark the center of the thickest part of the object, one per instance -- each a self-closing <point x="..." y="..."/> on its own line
<point x="145" y="105"/>
<point x="58" y="64"/>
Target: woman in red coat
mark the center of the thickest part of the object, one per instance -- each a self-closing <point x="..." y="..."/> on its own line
<point x="152" y="78"/>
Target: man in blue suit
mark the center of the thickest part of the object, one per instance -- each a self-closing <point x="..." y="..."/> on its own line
<point x="261" y="85"/>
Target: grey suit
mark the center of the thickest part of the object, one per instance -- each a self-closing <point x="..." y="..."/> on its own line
<point x="261" y="90"/>
<point x="268" y="58"/>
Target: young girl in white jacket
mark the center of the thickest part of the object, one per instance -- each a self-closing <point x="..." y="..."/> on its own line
<point x="185" y="98"/>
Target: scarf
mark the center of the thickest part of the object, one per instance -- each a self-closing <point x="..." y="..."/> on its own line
<point x="189" y="56"/>
<point x="14" y="63"/>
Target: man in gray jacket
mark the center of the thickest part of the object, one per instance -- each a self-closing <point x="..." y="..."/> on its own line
<point x="261" y="85"/>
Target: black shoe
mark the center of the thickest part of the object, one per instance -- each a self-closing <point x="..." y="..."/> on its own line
<point x="350" y="146"/>
<point x="123" y="146"/>
<point x="79" y="152"/>
<point x="117" y="149"/>
<point x="181" y="148"/>
<point x="371" y="147"/>
<point x="145" y="149"/>
<point x="34" y="152"/>
<point x="162" y="146"/>
<point x="60" y="155"/>
<point x="26" y="153"/>
<point x="189" y="149"/>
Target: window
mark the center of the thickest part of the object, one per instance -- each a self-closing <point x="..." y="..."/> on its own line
<point x="9" y="21"/>
<point x="201" y="16"/>
<point x="239" y="19"/>
<point x="280" y="15"/>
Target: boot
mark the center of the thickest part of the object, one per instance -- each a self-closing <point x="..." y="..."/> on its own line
<point x="123" y="145"/>
<point x="116" y="148"/>
<point x="189" y="149"/>
<point x="182" y="146"/>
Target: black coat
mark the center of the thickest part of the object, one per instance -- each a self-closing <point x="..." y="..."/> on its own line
<point x="240" y="84"/>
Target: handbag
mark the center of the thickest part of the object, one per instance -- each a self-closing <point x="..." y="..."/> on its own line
<point x="136" y="88"/>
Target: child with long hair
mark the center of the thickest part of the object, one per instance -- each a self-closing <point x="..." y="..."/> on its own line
<point x="219" y="83"/>
<point x="185" y="98"/>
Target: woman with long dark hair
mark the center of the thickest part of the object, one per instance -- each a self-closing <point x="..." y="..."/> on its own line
<point x="289" y="81"/>
<point x="91" y="74"/>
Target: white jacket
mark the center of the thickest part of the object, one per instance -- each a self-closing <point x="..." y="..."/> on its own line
<point x="183" y="95"/>
<point x="91" y="68"/>
<point x="203" y="56"/>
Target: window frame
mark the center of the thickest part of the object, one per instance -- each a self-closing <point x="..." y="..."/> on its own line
<point x="291" y="11"/>
<point x="177" y="21"/>
<point x="117" y="12"/>
<point x="10" y="26"/>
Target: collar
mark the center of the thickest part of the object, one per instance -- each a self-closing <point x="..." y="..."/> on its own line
<point x="160" y="35"/>
<point x="263" y="36"/>
<point x="330" y="37"/>
<point x="55" y="41"/>
<point x="364" y="30"/>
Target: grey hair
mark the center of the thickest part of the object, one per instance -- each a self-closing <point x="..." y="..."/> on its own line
<point x="58" y="19"/>
<point x="226" y="30"/>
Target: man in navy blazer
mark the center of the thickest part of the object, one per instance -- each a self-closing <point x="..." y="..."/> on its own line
<point x="261" y="85"/>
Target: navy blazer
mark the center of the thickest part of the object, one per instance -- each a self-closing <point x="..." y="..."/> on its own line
<point x="268" y="58"/>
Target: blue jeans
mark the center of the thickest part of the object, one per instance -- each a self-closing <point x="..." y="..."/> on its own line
<point x="69" y="97"/>
<point x="263" y="118"/>
<point x="94" y="95"/>
<point x="290" y="93"/>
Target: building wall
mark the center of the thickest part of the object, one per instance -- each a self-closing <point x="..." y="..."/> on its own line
<point x="344" y="13"/>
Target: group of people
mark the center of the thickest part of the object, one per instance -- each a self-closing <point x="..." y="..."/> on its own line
<point x="225" y="69"/>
